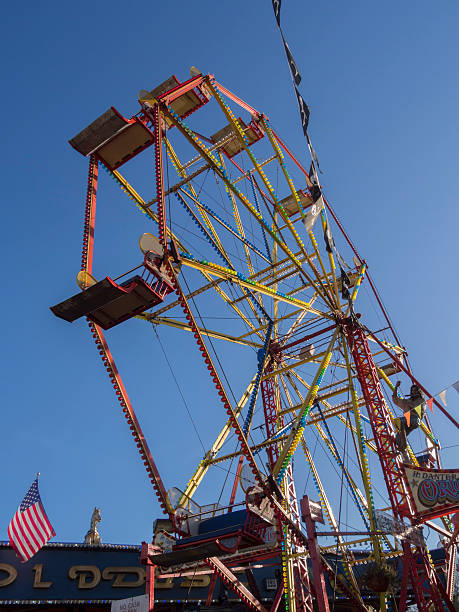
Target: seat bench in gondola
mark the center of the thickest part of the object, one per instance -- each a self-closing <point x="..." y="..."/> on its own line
<point x="217" y="536"/>
<point x="114" y="139"/>
<point x="108" y="303"/>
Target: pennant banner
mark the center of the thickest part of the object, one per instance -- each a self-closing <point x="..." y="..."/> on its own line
<point x="313" y="214"/>
<point x="329" y="242"/>
<point x="430" y="404"/>
<point x="345" y="285"/>
<point x="277" y="8"/>
<point x="407" y="416"/>
<point x="304" y="112"/>
<point x="442" y="395"/>
<point x="456" y="385"/>
<point x="296" y="76"/>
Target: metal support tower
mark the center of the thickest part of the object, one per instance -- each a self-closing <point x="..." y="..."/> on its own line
<point x="425" y="582"/>
<point x="296" y="569"/>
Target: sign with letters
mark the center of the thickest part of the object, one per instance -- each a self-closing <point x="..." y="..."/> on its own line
<point x="435" y="492"/>
<point x="74" y="573"/>
<point x="132" y="604"/>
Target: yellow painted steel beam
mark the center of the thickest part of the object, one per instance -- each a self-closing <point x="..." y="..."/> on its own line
<point x="287" y="368"/>
<point x="226" y="226"/>
<point x="261" y="164"/>
<point x="206" y="461"/>
<point x="254" y="448"/>
<point x="237" y="218"/>
<point x="337" y="411"/>
<point x="331" y="260"/>
<point x="312" y="238"/>
<point x="201" y="148"/>
<point x="297" y="430"/>
<point x="278" y="319"/>
<point x="230" y="275"/>
<point x="317" y="424"/>
<point x="182" y="172"/>
<point x="206" y="332"/>
<point x="232" y="120"/>
<point x="141" y="205"/>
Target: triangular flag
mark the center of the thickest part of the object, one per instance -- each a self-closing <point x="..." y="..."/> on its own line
<point x="304" y="112"/>
<point x="442" y="395"/>
<point x="407" y="416"/>
<point x="419" y="409"/>
<point x="314" y="188"/>
<point x="313" y="213"/>
<point x="430" y="404"/>
<point x="277" y="8"/>
<point x="456" y="385"/>
<point x="296" y="76"/>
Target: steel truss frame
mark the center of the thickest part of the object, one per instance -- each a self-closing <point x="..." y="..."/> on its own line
<point x="298" y="588"/>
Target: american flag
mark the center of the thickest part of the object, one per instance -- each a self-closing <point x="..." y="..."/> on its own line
<point x="30" y="528"/>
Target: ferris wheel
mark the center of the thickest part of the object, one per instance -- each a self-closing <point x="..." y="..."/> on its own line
<point x="242" y="252"/>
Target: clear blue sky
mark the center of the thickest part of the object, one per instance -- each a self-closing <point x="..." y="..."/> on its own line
<point x="381" y="82"/>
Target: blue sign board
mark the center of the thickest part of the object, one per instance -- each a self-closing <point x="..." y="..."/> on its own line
<point x="74" y="573"/>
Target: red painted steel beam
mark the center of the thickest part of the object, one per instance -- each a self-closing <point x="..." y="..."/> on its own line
<point x="309" y="337"/>
<point x="319" y="580"/>
<point x="90" y="216"/>
<point x="179" y="90"/>
<point x="277" y="598"/>
<point x="234" y="584"/>
<point x="210" y="592"/>
<point x="131" y="418"/>
<point x="162" y="230"/>
<point x="424" y="579"/>
<point x="101" y="343"/>
<point x="348" y="240"/>
<point x="245" y="448"/>
<point x="238" y="101"/>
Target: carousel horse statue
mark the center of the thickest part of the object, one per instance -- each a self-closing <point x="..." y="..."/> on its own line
<point x="92" y="537"/>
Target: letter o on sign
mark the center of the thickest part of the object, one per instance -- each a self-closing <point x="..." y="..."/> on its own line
<point x="428" y="492"/>
<point x="12" y="574"/>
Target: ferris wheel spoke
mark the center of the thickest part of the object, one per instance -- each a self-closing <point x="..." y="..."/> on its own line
<point x="237" y="278"/>
<point x="139" y="202"/>
<point x="331" y="259"/>
<point x="210" y="457"/>
<point x="243" y="140"/>
<point x="238" y="234"/>
<point x="300" y="421"/>
<point x="331" y="411"/>
<point x="216" y="379"/>
<point x="182" y="172"/>
<point x="239" y="225"/>
<point x="204" y="331"/>
<point x="221" y="172"/>
<point x="210" y="239"/>
<point x="328" y="440"/>
<point x="333" y="298"/>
